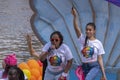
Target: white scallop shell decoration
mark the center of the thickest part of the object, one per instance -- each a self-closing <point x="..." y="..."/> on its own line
<point x="51" y="15"/>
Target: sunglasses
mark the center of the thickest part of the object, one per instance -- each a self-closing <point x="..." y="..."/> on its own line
<point x="56" y="40"/>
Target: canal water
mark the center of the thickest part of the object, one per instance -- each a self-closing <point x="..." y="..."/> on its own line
<point x="14" y="25"/>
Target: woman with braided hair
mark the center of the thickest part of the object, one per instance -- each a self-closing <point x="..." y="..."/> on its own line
<point x="91" y="50"/>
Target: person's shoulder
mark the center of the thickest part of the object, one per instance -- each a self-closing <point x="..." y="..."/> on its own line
<point x="1" y="72"/>
<point x="98" y="42"/>
<point x="64" y="46"/>
<point x="81" y="36"/>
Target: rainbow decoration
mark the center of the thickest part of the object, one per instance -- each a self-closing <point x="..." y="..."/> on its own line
<point x="55" y="61"/>
<point x="87" y="51"/>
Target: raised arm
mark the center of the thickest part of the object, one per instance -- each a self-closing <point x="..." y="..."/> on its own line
<point x="42" y="56"/>
<point x="75" y="22"/>
<point x="32" y="51"/>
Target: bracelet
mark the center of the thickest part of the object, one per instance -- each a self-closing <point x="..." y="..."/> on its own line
<point x="64" y="74"/>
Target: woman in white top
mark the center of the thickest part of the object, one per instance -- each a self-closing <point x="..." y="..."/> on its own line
<point x="58" y="55"/>
<point x="91" y="50"/>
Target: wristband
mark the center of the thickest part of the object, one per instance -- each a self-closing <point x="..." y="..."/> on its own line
<point x="64" y="74"/>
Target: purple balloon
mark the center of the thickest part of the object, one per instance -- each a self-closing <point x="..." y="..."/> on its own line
<point x="116" y="2"/>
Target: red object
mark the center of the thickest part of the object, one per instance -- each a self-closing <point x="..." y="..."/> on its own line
<point x="79" y="73"/>
<point x="40" y="63"/>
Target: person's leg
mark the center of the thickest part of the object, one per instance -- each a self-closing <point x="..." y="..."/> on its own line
<point x="48" y="75"/>
<point x="92" y="73"/>
<point x="85" y="68"/>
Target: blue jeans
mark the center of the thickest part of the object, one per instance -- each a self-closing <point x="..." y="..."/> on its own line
<point x="90" y="70"/>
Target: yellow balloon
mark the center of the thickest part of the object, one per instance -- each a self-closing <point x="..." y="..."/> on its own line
<point x="27" y="73"/>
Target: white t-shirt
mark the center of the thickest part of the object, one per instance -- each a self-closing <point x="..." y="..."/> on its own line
<point x="91" y="50"/>
<point x="57" y="58"/>
<point x="1" y="72"/>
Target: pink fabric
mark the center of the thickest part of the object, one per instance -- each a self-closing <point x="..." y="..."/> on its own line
<point x="79" y="73"/>
<point x="11" y="60"/>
